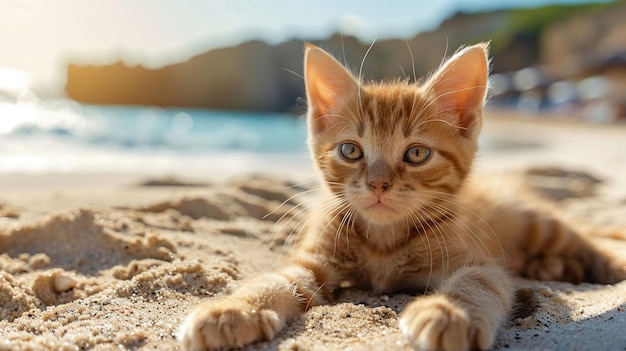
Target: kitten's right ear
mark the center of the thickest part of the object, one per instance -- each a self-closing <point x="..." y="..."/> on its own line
<point x="328" y="85"/>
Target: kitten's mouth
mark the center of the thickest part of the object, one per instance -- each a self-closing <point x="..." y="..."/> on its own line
<point x="379" y="206"/>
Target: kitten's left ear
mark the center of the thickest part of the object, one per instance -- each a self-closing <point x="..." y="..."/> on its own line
<point x="460" y="86"/>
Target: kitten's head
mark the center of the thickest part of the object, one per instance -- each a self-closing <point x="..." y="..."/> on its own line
<point x="392" y="149"/>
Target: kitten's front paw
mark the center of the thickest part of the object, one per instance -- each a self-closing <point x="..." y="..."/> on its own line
<point x="227" y="322"/>
<point x="437" y="323"/>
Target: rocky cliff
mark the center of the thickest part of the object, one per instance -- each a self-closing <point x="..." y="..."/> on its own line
<point x="585" y="41"/>
<point x="257" y="76"/>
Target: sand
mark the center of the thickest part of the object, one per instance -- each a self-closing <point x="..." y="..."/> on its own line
<point x="115" y="261"/>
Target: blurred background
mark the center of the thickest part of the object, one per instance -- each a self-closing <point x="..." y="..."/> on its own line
<point x="213" y="86"/>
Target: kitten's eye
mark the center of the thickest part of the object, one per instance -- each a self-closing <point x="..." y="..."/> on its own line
<point x="416" y="155"/>
<point x="350" y="152"/>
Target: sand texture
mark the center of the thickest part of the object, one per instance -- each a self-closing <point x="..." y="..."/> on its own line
<point x="119" y="266"/>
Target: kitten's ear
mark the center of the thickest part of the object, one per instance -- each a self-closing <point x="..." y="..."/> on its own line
<point x="328" y="84"/>
<point x="460" y="86"/>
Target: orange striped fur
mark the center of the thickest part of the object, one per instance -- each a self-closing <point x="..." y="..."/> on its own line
<point x="401" y="211"/>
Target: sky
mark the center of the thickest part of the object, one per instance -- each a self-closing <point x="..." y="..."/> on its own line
<point x="39" y="37"/>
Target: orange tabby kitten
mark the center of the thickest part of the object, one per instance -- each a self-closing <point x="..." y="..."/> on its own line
<point x="402" y="213"/>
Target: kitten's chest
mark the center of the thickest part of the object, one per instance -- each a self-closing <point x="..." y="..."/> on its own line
<point x="399" y="270"/>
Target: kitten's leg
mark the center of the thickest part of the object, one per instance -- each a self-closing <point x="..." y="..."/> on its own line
<point x="257" y="310"/>
<point x="463" y="314"/>
<point x="554" y="249"/>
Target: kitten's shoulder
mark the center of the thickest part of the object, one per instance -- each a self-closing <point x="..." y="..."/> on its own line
<point x="495" y="185"/>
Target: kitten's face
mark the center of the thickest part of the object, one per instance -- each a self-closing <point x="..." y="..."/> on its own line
<point x="393" y="150"/>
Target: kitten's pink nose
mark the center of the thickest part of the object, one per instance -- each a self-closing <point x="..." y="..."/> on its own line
<point x="379" y="187"/>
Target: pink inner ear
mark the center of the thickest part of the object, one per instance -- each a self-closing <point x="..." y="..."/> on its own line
<point x="328" y="86"/>
<point x="460" y="85"/>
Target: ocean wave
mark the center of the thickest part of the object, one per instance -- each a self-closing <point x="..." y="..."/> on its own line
<point x="187" y="130"/>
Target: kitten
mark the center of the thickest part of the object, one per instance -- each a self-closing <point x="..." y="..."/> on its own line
<point x="401" y="212"/>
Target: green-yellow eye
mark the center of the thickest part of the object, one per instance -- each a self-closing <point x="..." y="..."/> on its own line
<point x="350" y="152"/>
<point x="416" y="155"/>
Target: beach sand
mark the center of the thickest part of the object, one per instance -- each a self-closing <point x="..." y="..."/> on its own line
<point x="115" y="261"/>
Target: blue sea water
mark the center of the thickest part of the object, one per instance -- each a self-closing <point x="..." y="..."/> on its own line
<point x="65" y="136"/>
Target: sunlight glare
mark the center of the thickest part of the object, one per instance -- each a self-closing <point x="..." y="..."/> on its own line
<point x="14" y="115"/>
<point x="13" y="81"/>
